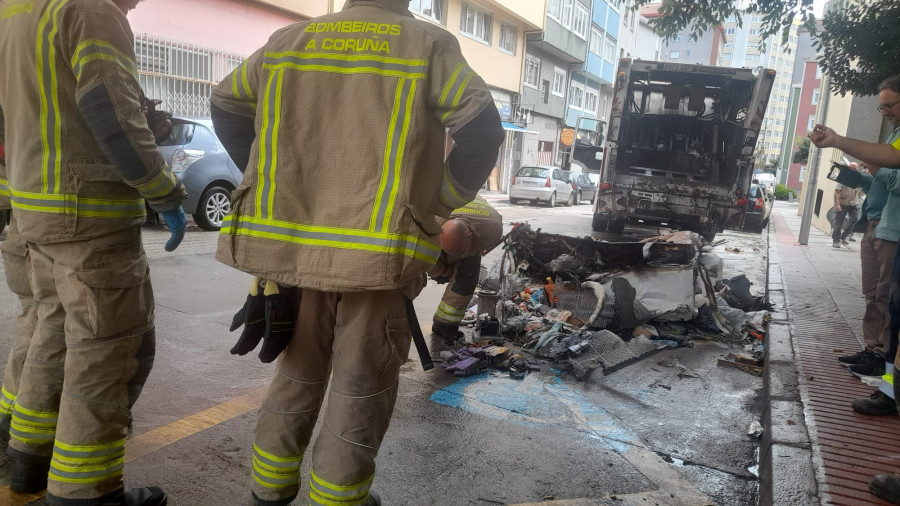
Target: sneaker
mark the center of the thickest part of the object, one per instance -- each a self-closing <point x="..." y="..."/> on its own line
<point x="845" y="243"/>
<point x="851" y="239"/>
<point x="873" y="368"/>
<point x="836" y="245"/>
<point x="887" y="487"/>
<point x="877" y="404"/>
<point x="857" y="358"/>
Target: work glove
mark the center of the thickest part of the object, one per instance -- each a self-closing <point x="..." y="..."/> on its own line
<point x="267" y="317"/>
<point x="177" y="223"/>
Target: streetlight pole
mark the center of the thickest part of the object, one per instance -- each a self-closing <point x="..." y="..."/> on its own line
<point x="815" y="154"/>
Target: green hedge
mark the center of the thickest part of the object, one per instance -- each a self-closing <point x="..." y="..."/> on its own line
<point x="782" y="192"/>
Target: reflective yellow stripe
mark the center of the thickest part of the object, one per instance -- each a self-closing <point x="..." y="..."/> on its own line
<point x="320" y="489"/>
<point x="78" y="206"/>
<point x="65" y="458"/>
<point x="86" y="474"/>
<point x="449" y="195"/>
<point x="447" y="312"/>
<point x="281" y="460"/>
<point x="100" y="50"/>
<point x="454" y="89"/>
<point x="7" y="400"/>
<point x="248" y="92"/>
<point x="394" y="150"/>
<point x="240" y="86"/>
<point x="364" y="240"/>
<point x="51" y="132"/>
<point x="346" y="64"/>
<point x="4" y="188"/>
<point x="268" y="153"/>
<point x="33" y="426"/>
<point x="91" y="449"/>
<point x="160" y="186"/>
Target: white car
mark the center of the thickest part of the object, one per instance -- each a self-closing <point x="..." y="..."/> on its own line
<point x="541" y="183"/>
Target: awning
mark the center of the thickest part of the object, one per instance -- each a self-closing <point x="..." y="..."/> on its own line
<point x="516" y="128"/>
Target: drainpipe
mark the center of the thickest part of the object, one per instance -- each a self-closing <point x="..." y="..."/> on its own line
<point x="812" y="171"/>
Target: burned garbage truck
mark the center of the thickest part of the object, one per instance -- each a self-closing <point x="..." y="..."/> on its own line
<point x="680" y="145"/>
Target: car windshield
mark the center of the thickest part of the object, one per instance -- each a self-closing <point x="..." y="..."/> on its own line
<point x="754" y="190"/>
<point x="584" y="179"/>
<point x="533" y="172"/>
<point x="182" y="133"/>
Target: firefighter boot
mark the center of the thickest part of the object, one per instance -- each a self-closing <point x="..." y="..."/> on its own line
<point x="29" y="472"/>
<point x="5" y="422"/>
<point x="145" y="496"/>
<point x="281" y="502"/>
<point x="374" y="499"/>
<point x="887" y="487"/>
<point x="449" y="332"/>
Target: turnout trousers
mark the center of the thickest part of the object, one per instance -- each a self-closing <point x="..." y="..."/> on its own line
<point x="359" y="340"/>
<point x="17" y="266"/>
<point x="459" y="291"/>
<point x="76" y="388"/>
<point x="877" y="256"/>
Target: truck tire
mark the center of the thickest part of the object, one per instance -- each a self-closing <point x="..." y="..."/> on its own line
<point x="617" y="226"/>
<point x="599" y="224"/>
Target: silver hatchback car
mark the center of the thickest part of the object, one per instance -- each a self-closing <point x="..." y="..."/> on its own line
<point x="199" y="159"/>
<point x="542" y="183"/>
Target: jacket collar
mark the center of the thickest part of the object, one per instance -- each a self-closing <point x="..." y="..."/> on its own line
<point x="391" y="5"/>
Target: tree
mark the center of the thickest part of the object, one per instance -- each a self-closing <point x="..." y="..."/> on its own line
<point x="858" y="42"/>
<point x="802" y="153"/>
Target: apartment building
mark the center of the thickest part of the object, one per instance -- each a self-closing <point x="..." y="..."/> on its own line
<point x="805" y="95"/>
<point x="708" y="49"/>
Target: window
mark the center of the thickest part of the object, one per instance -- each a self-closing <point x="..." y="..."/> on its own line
<point x="815" y="97"/>
<point x="677" y="38"/>
<point x="609" y="49"/>
<point x="596" y="44"/>
<point x="687" y="54"/>
<point x="582" y="21"/>
<point x="554" y="9"/>
<point x="559" y="81"/>
<point x="818" y="72"/>
<point x="532" y="71"/>
<point x="754" y="31"/>
<point x="545" y="91"/>
<point x="591" y="97"/>
<point x="508" y="39"/>
<point x="729" y="31"/>
<point x="802" y="173"/>
<point x="811" y="122"/>
<point x="431" y="9"/>
<point x="475" y="23"/>
<point x="674" y="55"/>
<point x="566" y="18"/>
<point x="576" y="95"/>
<point x="727" y="56"/>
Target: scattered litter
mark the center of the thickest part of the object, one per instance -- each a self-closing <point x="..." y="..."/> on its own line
<point x="755" y="430"/>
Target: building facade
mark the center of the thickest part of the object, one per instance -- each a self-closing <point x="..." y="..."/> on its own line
<point x="789" y="173"/>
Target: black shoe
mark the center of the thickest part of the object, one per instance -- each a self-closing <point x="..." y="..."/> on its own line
<point x="874" y="368"/>
<point x="145" y="496"/>
<point x="449" y="332"/>
<point x="857" y="358"/>
<point x="279" y="502"/>
<point x="374" y="499"/>
<point x="29" y="472"/>
<point x="4" y="428"/>
<point x="876" y="404"/>
<point x="887" y="487"/>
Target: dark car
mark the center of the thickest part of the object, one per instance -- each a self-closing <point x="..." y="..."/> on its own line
<point x="199" y="159"/>
<point x="759" y="206"/>
<point x="585" y="189"/>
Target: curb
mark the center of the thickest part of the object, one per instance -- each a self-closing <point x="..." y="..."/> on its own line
<point x="787" y="475"/>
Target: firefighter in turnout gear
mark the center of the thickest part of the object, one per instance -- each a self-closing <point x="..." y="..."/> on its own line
<point x="82" y="162"/>
<point x="365" y="97"/>
<point x="471" y="232"/>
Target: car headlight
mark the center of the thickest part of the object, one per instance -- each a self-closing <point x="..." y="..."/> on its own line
<point x="183" y="158"/>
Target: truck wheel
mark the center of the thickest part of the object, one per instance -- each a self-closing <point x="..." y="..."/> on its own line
<point x="617" y="226"/>
<point x="599" y="224"/>
<point x="709" y="236"/>
<point x="552" y="200"/>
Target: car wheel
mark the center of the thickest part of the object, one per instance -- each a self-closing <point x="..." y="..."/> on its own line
<point x="552" y="200"/>
<point x="214" y="205"/>
<point x="571" y="200"/>
<point x="577" y="198"/>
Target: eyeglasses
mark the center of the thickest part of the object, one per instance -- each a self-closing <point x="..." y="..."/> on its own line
<point x="887" y="105"/>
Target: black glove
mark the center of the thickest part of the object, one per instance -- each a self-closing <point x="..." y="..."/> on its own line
<point x="269" y="317"/>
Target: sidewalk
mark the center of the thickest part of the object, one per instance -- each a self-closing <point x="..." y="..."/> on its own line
<point x="816" y="449"/>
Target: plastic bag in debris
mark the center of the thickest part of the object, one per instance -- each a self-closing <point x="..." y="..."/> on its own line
<point x="564" y="263"/>
<point x="735" y="317"/>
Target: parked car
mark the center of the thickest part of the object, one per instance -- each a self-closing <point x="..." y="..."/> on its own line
<point x="541" y="184"/>
<point x="759" y="207"/>
<point x="199" y="159"/>
<point x="585" y="189"/>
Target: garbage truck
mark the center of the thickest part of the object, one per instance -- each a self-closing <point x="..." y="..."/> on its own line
<point x="679" y="147"/>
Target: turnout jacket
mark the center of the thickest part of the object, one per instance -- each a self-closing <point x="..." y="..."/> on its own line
<point x="80" y="156"/>
<point x="345" y="177"/>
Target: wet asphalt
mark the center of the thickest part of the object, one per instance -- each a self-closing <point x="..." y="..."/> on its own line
<point x="670" y="429"/>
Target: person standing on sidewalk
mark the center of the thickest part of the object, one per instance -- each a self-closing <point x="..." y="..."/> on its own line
<point x="82" y="165"/>
<point x="301" y="114"/>
<point x="846" y="213"/>
<point x="883" y="161"/>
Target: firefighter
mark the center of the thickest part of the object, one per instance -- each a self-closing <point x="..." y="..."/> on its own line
<point x="81" y="163"/>
<point x="352" y="103"/>
<point x="471" y="232"/>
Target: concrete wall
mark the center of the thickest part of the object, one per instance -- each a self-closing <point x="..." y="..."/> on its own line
<point x="235" y="27"/>
<point x="556" y="105"/>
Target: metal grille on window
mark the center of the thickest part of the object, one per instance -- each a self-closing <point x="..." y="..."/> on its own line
<point x="181" y="75"/>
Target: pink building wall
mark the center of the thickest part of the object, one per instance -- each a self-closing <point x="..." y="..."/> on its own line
<point x="227" y="25"/>
<point x="805" y="109"/>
